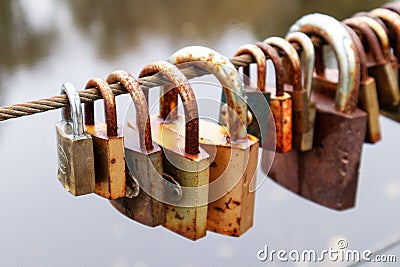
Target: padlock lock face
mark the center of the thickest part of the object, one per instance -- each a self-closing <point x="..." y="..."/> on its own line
<point x="108" y="145"/>
<point x="328" y="173"/>
<point x="75" y="147"/>
<point x="367" y="97"/>
<point x="144" y="161"/>
<point x="183" y="159"/>
<point x="257" y="97"/>
<point x="280" y="105"/>
<point x="231" y="200"/>
<point x="284" y="169"/>
<point x="379" y="65"/>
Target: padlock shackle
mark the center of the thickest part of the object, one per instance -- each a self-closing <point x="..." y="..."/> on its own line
<point x="140" y="103"/>
<point x="110" y="109"/>
<point x="380" y="33"/>
<point x="335" y="34"/>
<point x="226" y="73"/>
<point x="257" y="56"/>
<point x="305" y="44"/>
<point x="271" y="53"/>
<point x="392" y="21"/>
<point x="393" y="6"/>
<point x="169" y="101"/>
<point x="361" y="53"/>
<point x="73" y="111"/>
<point x="282" y="45"/>
<point x="370" y="38"/>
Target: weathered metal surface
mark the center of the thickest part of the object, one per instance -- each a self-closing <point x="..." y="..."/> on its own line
<point x="344" y="98"/>
<point x="328" y="173"/>
<point x="378" y="60"/>
<point x="143" y="158"/>
<point x="188" y="166"/>
<point x="280" y="105"/>
<point x="74" y="147"/>
<point x="108" y="145"/>
<point x="367" y="97"/>
<point x="257" y="97"/>
<point x="234" y="164"/>
<point x="304" y="141"/>
<point x="211" y="61"/>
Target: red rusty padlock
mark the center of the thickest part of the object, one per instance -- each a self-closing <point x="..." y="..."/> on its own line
<point x="328" y="173"/>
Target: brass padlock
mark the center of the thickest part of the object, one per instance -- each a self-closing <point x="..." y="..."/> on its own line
<point x="328" y="173"/>
<point x="144" y="161"/>
<point x="293" y="86"/>
<point x="108" y="144"/>
<point x="304" y="141"/>
<point x="280" y="104"/>
<point x="367" y="97"/>
<point x="284" y="168"/>
<point x="380" y="68"/>
<point x="183" y="159"/>
<point x="257" y="96"/>
<point x="74" y="147"/>
<point x="231" y="200"/>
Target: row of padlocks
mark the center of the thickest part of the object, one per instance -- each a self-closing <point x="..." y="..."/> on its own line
<point x="199" y="179"/>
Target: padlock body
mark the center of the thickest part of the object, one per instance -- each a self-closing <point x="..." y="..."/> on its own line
<point x="75" y="161"/>
<point x="300" y="115"/>
<point x="233" y="168"/>
<point x="328" y="173"/>
<point x="146" y="167"/>
<point x="281" y="108"/>
<point x="304" y="141"/>
<point x="109" y="162"/>
<point x="368" y="101"/>
<point x="386" y="83"/>
<point x="188" y="215"/>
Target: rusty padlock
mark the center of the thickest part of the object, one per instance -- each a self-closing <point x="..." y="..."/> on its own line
<point x="328" y="173"/>
<point x="231" y="202"/>
<point x="74" y="147"/>
<point x="108" y="144"/>
<point x="367" y="97"/>
<point x="280" y="104"/>
<point x="144" y="161"/>
<point x="257" y="96"/>
<point x="284" y="168"/>
<point x="183" y="159"/>
<point x="304" y="141"/>
<point x="381" y="69"/>
<point x="294" y="87"/>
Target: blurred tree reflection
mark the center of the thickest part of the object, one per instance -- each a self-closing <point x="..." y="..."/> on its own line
<point x="116" y="26"/>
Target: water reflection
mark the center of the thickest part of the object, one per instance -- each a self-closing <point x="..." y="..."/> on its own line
<point x="114" y="28"/>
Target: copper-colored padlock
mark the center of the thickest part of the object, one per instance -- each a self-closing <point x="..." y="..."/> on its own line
<point x="328" y="173"/>
<point x="183" y="160"/>
<point x="382" y="71"/>
<point x="231" y="207"/>
<point x="367" y="97"/>
<point x="108" y="145"/>
<point x="300" y="119"/>
<point x="144" y="161"/>
<point x="280" y="104"/>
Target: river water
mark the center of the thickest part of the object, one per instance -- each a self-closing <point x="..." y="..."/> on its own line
<point x="45" y="43"/>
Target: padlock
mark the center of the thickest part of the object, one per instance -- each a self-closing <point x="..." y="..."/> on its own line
<point x="144" y="161"/>
<point x="304" y="141"/>
<point x="74" y="147"/>
<point x="300" y="119"/>
<point x="257" y="97"/>
<point x="328" y="173"/>
<point x="231" y="200"/>
<point x="284" y="169"/>
<point x="280" y="105"/>
<point x="183" y="159"/>
<point x="367" y="97"/>
<point x="380" y="68"/>
<point x="108" y="144"/>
